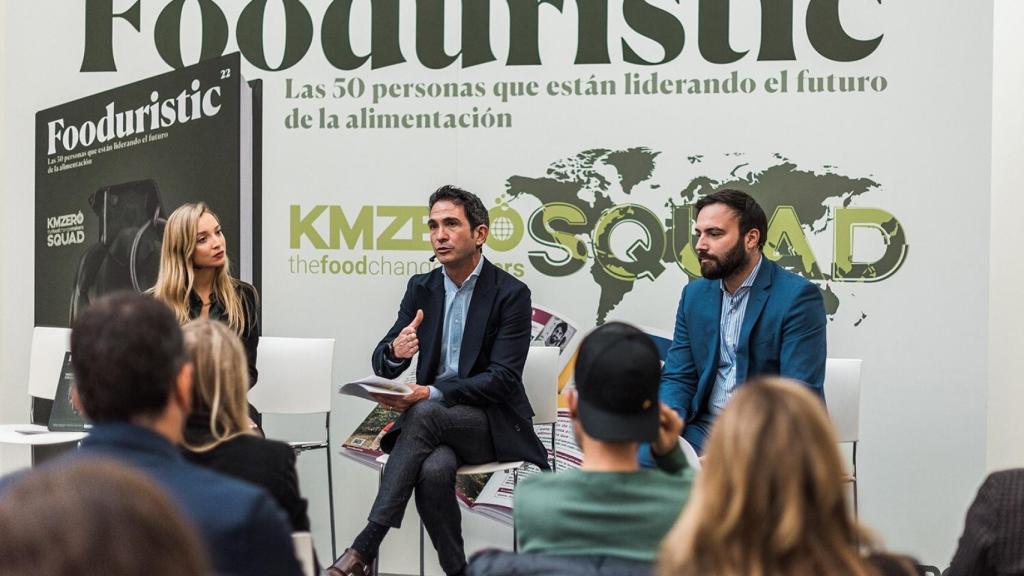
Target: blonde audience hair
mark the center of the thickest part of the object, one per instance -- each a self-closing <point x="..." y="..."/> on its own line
<point x="94" y="516"/>
<point x="220" y="381"/>
<point x="770" y="500"/>
<point x="176" y="278"/>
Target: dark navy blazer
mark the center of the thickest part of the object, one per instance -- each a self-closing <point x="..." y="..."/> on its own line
<point x="783" y="333"/>
<point x="494" y="348"/>
<point x="244" y="530"/>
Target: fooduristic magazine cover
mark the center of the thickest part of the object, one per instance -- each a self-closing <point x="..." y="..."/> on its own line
<point x="112" y="166"/>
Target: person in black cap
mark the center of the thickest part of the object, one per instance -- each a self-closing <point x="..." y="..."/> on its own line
<point x="610" y="506"/>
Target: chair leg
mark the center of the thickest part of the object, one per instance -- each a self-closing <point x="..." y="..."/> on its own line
<point x="330" y="484"/>
<point x="375" y="568"/>
<point x="856" y="510"/>
<point x="515" y="534"/>
<point x="856" y="504"/>
<point x="330" y="503"/>
<point x="421" y="548"/>
<point x="554" y="451"/>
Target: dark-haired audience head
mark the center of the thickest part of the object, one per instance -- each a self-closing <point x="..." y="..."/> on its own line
<point x="731" y="228"/>
<point x="617" y="374"/>
<point x="94" y="516"/>
<point x="770" y="499"/>
<point x="130" y="365"/>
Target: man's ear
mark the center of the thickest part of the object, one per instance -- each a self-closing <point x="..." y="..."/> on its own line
<point x="753" y="238"/>
<point x="76" y="401"/>
<point x="481" y="233"/>
<point x="182" y="392"/>
<point x="572" y="399"/>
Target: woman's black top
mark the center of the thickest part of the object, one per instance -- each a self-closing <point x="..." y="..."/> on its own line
<point x="266" y="463"/>
<point x="250" y="336"/>
<point x="250" y="307"/>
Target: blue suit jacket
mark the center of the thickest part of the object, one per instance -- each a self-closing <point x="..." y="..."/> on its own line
<point x="783" y="333"/>
<point x="494" y="348"/>
<point x="244" y="530"/>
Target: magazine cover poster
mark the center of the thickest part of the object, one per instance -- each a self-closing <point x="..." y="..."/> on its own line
<point x="112" y="166"/>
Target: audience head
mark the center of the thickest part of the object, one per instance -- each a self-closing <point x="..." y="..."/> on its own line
<point x="93" y="516"/>
<point x="220" y="380"/>
<point x="770" y="500"/>
<point x="618" y="371"/>
<point x="129" y="360"/>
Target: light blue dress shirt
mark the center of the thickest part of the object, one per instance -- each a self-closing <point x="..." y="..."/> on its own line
<point x="734" y="308"/>
<point x="456" y="308"/>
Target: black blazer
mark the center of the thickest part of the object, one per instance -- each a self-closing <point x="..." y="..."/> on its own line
<point x="993" y="540"/>
<point x="494" y="347"/>
<point x="266" y="463"/>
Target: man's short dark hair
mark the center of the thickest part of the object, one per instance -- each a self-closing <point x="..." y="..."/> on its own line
<point x="471" y="204"/>
<point x="749" y="211"/>
<point x="126" y="352"/>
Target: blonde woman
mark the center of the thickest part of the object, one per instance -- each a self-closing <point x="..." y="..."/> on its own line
<point x="217" y="434"/>
<point x="195" y="280"/>
<point x="770" y="500"/>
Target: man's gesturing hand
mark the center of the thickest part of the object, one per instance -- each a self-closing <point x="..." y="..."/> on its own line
<point x="669" y="427"/>
<point x="407" y="344"/>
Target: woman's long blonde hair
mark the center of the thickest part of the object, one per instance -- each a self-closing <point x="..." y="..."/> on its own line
<point x="176" y="279"/>
<point x="770" y="500"/>
<point x="220" y="380"/>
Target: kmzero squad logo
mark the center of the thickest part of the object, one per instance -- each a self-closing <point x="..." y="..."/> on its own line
<point x="591" y="200"/>
<point x="65" y="230"/>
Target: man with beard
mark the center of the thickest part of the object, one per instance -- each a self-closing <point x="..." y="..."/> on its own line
<point x="745" y="317"/>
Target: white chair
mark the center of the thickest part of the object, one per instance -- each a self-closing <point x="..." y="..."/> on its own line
<point x="540" y="380"/>
<point x="296" y="376"/>
<point x="46" y="359"/>
<point x="842" y="396"/>
<point x="692" y="459"/>
<point x="303" y="543"/>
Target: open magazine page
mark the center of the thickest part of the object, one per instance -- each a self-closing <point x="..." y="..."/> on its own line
<point x="364" y="443"/>
<point x="552" y="328"/>
<point x="492" y="494"/>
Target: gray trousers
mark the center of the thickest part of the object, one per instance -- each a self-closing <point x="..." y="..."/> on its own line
<point x="435" y="440"/>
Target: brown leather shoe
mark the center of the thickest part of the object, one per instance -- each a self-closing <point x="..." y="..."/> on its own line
<point x="350" y="563"/>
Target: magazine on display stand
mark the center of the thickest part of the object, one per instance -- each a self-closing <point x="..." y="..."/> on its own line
<point x="112" y="166"/>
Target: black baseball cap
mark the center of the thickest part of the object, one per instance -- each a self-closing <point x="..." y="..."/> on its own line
<point x="618" y="371"/>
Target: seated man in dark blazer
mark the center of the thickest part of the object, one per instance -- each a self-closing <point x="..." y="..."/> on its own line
<point x="470" y="322"/>
<point x="134" y="382"/>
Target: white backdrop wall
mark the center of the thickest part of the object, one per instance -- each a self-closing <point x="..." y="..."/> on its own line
<point x="15" y="280"/>
<point x="912" y="151"/>
<point x="1006" y="394"/>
